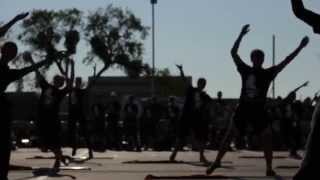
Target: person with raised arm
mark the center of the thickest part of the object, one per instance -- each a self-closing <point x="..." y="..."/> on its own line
<point x="8" y="53"/>
<point x="49" y="124"/>
<point x="307" y="16"/>
<point x="251" y="108"/>
<point x="77" y="115"/>
<point x="290" y="123"/>
<point x="193" y="119"/>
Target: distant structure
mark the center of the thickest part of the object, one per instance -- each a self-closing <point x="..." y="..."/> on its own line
<point x="140" y="87"/>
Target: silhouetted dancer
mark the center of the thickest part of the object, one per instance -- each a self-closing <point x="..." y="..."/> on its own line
<point x="77" y="115"/>
<point x="131" y="124"/>
<point x="309" y="166"/>
<point x="9" y="51"/>
<point x="221" y="121"/>
<point x="309" y="17"/>
<point x="290" y="122"/>
<point x="193" y="119"/>
<point x="251" y="109"/>
<point x="49" y="124"/>
<point x="173" y="114"/>
<point x="113" y="128"/>
<point x="153" y="112"/>
<point x="99" y="126"/>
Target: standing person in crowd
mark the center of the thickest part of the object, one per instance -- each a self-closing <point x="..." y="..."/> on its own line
<point x="77" y="116"/>
<point x="113" y="129"/>
<point x="173" y="115"/>
<point x="251" y="109"/>
<point x="290" y="122"/>
<point x="49" y="123"/>
<point x="131" y="124"/>
<point x="194" y="119"/>
<point x="220" y="122"/>
<point x="98" y="112"/>
<point x="152" y="115"/>
<point x="8" y="52"/>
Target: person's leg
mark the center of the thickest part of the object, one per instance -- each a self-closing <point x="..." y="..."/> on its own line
<point x="182" y="132"/>
<point x="201" y="136"/>
<point x="202" y="146"/>
<point x="222" y="149"/>
<point x="85" y="132"/>
<point x="266" y="138"/>
<point x="176" y="148"/>
<point x="58" y="157"/>
<point x="72" y="129"/>
<point x="309" y="167"/>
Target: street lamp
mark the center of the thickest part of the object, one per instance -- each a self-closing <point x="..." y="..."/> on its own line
<point x="153" y="2"/>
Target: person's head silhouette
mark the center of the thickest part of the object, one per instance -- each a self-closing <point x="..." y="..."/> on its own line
<point x="257" y="58"/>
<point x="201" y="84"/>
<point x="219" y="94"/>
<point x="8" y="51"/>
<point x="292" y="96"/>
<point x="58" y="81"/>
<point x="78" y="82"/>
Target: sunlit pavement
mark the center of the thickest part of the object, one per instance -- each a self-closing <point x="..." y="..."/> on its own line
<point x="137" y="166"/>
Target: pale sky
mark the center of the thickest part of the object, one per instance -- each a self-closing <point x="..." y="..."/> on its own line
<point x="200" y="33"/>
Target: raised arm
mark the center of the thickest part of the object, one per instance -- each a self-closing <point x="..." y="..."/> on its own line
<point x="4" y="29"/>
<point x="234" y="51"/>
<point x="306" y="15"/>
<point x="28" y="58"/>
<point x="33" y="67"/>
<point x="288" y="59"/>
<point x="301" y="86"/>
<point x="180" y="67"/>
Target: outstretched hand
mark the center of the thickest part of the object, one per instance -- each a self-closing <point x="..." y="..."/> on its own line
<point x="245" y="29"/>
<point x="21" y="16"/>
<point x="304" y="42"/>
<point x="180" y="67"/>
<point x="305" y="84"/>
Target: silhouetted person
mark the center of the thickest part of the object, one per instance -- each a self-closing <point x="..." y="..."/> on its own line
<point x="153" y="114"/>
<point x="220" y="122"/>
<point x="113" y="128"/>
<point x="251" y="109"/>
<point x="309" y="17"/>
<point x="49" y="124"/>
<point x="9" y="52"/>
<point x="99" y="126"/>
<point x="309" y="167"/>
<point x="173" y="114"/>
<point x="77" y="115"/>
<point x="193" y="119"/>
<point x="131" y="123"/>
<point x="290" y="122"/>
<point x="310" y="164"/>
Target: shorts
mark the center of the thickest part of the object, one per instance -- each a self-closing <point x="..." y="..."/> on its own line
<point x="251" y="115"/>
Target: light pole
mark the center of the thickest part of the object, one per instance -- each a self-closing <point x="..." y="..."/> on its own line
<point x="153" y="3"/>
<point x="273" y="64"/>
